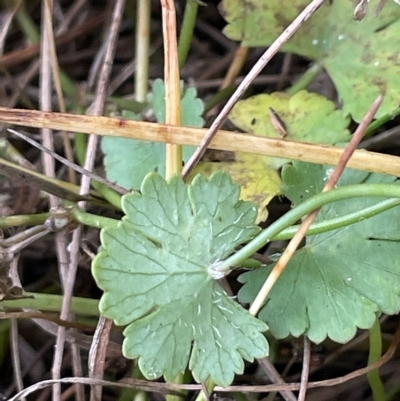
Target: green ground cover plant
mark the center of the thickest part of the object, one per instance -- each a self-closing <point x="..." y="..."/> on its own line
<point x="163" y="267"/>
<point x="350" y="286"/>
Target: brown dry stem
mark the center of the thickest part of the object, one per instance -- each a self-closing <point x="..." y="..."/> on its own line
<point x="225" y="140"/>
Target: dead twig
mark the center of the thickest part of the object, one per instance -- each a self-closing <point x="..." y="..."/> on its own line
<point x="306" y="369"/>
<point x="172" y="388"/>
<point x="274" y="376"/>
<point x="225" y="140"/>
<point x="19" y="56"/>
<point x="97" y="352"/>
<point x="71" y="165"/>
<point x="172" y="85"/>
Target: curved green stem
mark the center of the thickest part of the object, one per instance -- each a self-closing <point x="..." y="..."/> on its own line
<point x="93" y="220"/>
<point x="375" y="352"/>
<point x="80" y="147"/>
<point x="342" y="221"/>
<point x="52" y="303"/>
<point x="187" y="29"/>
<point x="315" y="202"/>
<point x="111" y="196"/>
<point x="23" y="220"/>
<point x="210" y="384"/>
<point x="305" y="79"/>
<point x="218" y="98"/>
<point x="393" y="392"/>
<point x="380" y="121"/>
<point x="27" y="25"/>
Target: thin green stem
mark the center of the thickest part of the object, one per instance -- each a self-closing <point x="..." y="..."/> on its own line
<point x="27" y="25"/>
<point x="315" y="202"/>
<point x="305" y="79"/>
<point x="132" y="394"/>
<point x="93" y="220"/>
<point x="342" y="221"/>
<point x="126" y="104"/>
<point x="10" y="153"/>
<point x="375" y="352"/>
<point x="68" y="86"/>
<point x="23" y="220"/>
<point x="393" y="392"/>
<point x="96" y="221"/>
<point x="328" y="225"/>
<point x="179" y="379"/>
<point x="219" y="97"/>
<point x="210" y="384"/>
<point x="380" y="121"/>
<point x="80" y="147"/>
<point x="109" y="194"/>
<point x="114" y="198"/>
<point x="52" y="303"/>
<point x="142" y="49"/>
<point x="187" y="29"/>
<point x="32" y="33"/>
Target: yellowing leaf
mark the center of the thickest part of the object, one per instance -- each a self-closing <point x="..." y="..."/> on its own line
<point x="259" y="182"/>
<point x="307" y="117"/>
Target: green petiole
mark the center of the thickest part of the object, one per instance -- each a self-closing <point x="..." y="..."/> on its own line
<point x="315" y="202"/>
<point x="52" y="303"/>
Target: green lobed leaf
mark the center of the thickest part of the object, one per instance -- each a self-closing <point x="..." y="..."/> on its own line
<point x="361" y="57"/>
<point x="154" y="270"/>
<point x="340" y="279"/>
<point x="192" y="107"/>
<point x="140" y="157"/>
